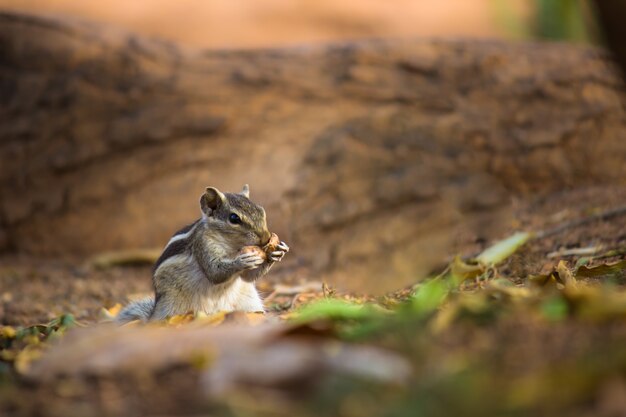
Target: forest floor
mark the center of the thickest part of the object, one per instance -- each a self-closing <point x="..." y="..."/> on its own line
<point x="529" y="334"/>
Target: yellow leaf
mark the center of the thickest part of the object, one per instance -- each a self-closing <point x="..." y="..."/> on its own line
<point x="508" y="290"/>
<point x="31" y="340"/>
<point x="180" y="319"/>
<point x="212" y="319"/>
<point x="462" y="271"/>
<point x="544" y="280"/>
<point x="565" y="275"/>
<point x="112" y="312"/>
<point x="25" y="357"/>
<point x="560" y="277"/>
<point x="7" y="332"/>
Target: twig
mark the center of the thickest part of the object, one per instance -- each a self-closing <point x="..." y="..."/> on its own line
<point x="126" y="258"/>
<point x="295" y="290"/>
<point x="619" y="211"/>
<point x="592" y="250"/>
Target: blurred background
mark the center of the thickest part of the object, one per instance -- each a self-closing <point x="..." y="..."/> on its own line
<point x="114" y="109"/>
<point x="253" y="24"/>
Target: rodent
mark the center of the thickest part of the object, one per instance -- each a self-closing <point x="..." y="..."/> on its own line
<point x="212" y="264"/>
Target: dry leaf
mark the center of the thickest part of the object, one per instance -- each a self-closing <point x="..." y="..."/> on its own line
<point x="560" y="277"/>
<point x="462" y="271"/>
<point x="602" y="270"/>
<point x="565" y="275"/>
<point x="111" y="312"/>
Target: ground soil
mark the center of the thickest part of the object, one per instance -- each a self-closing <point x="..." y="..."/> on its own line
<point x="36" y="290"/>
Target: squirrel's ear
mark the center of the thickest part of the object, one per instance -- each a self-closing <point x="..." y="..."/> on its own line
<point x="246" y="191"/>
<point x="211" y="200"/>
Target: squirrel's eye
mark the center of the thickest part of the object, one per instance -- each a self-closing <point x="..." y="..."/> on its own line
<point x="234" y="219"/>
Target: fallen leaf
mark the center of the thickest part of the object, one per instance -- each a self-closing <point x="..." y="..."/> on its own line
<point x="618" y="268"/>
<point x="560" y="277"/>
<point x="429" y="296"/>
<point x="506" y="288"/>
<point x="461" y="271"/>
<point x="210" y="319"/>
<point x="333" y="309"/>
<point x="503" y="249"/>
<point x="25" y="358"/>
<point x="111" y="312"/>
<point x="7" y="332"/>
<point x="565" y="275"/>
<point x="180" y="319"/>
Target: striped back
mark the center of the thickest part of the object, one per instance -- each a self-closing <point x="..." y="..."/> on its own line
<point x="177" y="245"/>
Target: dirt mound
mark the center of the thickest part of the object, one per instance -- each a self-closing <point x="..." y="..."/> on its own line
<point x="355" y="149"/>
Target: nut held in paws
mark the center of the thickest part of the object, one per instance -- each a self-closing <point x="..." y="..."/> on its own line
<point x="272" y="244"/>
<point x="249" y="249"/>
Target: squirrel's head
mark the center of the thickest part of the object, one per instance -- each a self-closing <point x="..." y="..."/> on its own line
<point x="235" y="216"/>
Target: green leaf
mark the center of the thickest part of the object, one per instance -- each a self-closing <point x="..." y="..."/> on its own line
<point x="67" y="321"/>
<point x="430" y="296"/>
<point x="554" y="309"/>
<point x="334" y="309"/>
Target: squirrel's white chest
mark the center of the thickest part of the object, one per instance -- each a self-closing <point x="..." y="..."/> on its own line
<point x="232" y="295"/>
<point x="237" y="295"/>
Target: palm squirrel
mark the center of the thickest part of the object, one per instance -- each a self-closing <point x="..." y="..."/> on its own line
<point x="211" y="265"/>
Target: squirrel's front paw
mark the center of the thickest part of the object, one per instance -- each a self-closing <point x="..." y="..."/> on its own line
<point x="275" y="249"/>
<point x="250" y="257"/>
<point x="277" y="254"/>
